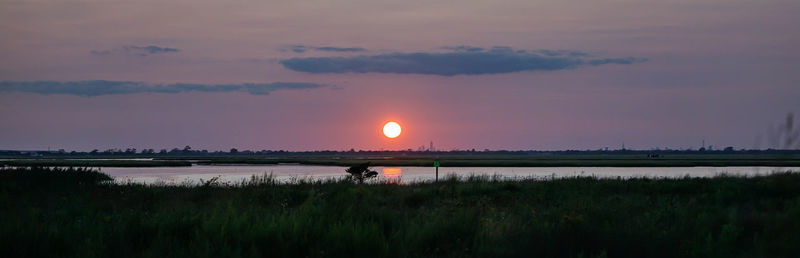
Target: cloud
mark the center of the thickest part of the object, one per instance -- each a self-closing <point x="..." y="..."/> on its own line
<point x="341" y="49"/>
<point x="570" y="53"/>
<point x="304" y="48"/>
<point x="148" y="50"/>
<point x="299" y="48"/>
<point x="463" y="48"/>
<point x="136" y="51"/>
<point x="459" y="60"/>
<point x="100" y="87"/>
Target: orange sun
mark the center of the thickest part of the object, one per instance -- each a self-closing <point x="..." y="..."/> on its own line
<point x="391" y="129"/>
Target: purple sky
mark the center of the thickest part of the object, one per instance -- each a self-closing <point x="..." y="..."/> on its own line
<point x="313" y="75"/>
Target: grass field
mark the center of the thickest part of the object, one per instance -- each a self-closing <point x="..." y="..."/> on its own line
<point x="74" y="212"/>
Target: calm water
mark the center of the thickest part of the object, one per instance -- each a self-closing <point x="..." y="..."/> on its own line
<point x="236" y="173"/>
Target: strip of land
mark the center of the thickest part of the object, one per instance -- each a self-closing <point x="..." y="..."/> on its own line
<point x="420" y="160"/>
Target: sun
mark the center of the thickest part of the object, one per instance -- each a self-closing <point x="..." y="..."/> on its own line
<point x="391" y="129"/>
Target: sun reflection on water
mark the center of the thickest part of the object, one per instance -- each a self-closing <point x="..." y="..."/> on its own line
<point x="392" y="175"/>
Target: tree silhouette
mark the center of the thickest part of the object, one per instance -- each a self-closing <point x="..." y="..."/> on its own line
<point x="359" y="173"/>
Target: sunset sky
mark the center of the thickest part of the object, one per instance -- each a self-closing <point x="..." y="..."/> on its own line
<point x="317" y="75"/>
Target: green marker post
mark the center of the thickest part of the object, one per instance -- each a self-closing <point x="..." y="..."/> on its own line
<point x="436" y="164"/>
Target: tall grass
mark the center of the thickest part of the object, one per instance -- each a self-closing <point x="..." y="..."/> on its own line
<point x="474" y="216"/>
<point x="49" y="175"/>
<point x="93" y="163"/>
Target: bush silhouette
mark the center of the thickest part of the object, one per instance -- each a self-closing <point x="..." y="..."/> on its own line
<point x="359" y="173"/>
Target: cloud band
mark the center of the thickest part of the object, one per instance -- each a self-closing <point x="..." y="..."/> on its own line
<point x="101" y="87"/>
<point x="461" y="60"/>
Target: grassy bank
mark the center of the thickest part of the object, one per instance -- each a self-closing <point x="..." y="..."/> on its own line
<point x="93" y="163"/>
<point x="73" y="213"/>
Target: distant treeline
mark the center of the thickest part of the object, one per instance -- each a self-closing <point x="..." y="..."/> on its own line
<point x="187" y="151"/>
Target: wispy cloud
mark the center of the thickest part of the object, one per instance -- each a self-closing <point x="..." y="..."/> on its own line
<point x="135" y="51"/>
<point x="101" y="87"/>
<point x="458" y="60"/>
<point x="463" y="48"/>
<point x="341" y="49"/>
<point x="149" y="50"/>
<point x="304" y="48"/>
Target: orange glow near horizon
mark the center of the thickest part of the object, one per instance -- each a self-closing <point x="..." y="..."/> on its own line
<point x="392" y="129"/>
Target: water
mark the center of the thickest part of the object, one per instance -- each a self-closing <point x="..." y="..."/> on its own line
<point x="238" y="173"/>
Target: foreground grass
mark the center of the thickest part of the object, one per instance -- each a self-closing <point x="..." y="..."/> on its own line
<point x="73" y="213"/>
<point x="93" y="163"/>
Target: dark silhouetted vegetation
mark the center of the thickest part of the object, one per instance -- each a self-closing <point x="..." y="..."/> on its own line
<point x="452" y="160"/>
<point x="37" y="176"/>
<point x="784" y="134"/>
<point x="456" y="158"/>
<point x="525" y="161"/>
<point x="359" y="173"/>
<point x="93" y="163"/>
<point x="74" y="212"/>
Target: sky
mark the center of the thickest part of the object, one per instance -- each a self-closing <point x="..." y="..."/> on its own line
<point x="326" y="75"/>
